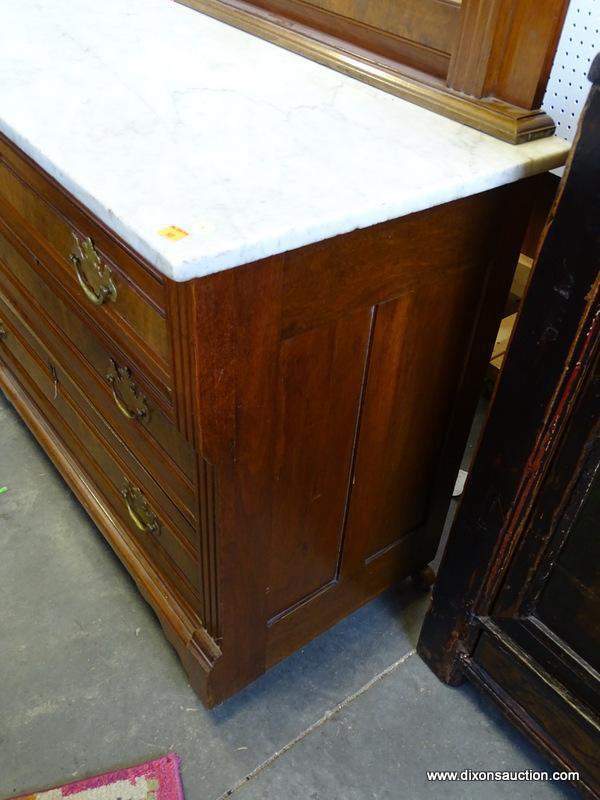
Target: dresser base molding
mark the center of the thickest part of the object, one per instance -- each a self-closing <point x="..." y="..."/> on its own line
<point x="195" y="648"/>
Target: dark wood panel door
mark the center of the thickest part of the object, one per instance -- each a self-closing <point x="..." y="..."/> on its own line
<point x="541" y="639"/>
<point x="569" y="604"/>
<point x="549" y="602"/>
<point x="515" y="606"/>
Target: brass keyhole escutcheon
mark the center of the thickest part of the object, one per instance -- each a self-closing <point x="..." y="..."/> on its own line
<point x="95" y="277"/>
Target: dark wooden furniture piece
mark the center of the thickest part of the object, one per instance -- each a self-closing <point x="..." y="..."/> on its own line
<point x="517" y="601"/>
<point x="482" y="62"/>
<point x="268" y="447"/>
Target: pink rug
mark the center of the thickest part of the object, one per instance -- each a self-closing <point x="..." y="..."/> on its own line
<point x="154" y="780"/>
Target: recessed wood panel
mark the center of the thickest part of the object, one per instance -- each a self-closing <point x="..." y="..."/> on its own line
<point x="414" y="369"/>
<point x="570" y="601"/>
<point x="429" y="22"/>
<point x="420" y="33"/>
<point x="318" y="396"/>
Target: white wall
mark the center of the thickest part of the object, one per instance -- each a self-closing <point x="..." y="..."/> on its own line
<point x="568" y="85"/>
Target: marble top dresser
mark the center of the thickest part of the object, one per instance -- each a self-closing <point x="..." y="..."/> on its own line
<point x="245" y="305"/>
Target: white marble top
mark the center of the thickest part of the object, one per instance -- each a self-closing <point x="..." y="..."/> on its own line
<point x="154" y="115"/>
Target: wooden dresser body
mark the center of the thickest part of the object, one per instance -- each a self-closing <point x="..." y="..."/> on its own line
<point x="268" y="447"/>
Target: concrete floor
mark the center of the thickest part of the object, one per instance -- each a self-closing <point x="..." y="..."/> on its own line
<point x="88" y="683"/>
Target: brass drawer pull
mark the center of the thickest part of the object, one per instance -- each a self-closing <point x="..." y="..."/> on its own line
<point x="140" y="512"/>
<point x="130" y="402"/>
<point x="95" y="278"/>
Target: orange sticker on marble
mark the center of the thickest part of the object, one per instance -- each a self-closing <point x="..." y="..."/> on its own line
<point x="173" y="232"/>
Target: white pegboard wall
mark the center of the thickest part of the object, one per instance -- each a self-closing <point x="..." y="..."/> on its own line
<point x="568" y="86"/>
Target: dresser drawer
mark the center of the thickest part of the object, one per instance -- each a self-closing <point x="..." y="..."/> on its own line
<point x="127" y="400"/>
<point x="153" y="521"/>
<point x="118" y="294"/>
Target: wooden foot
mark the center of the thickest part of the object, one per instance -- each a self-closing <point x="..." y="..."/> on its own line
<point x="423" y="579"/>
